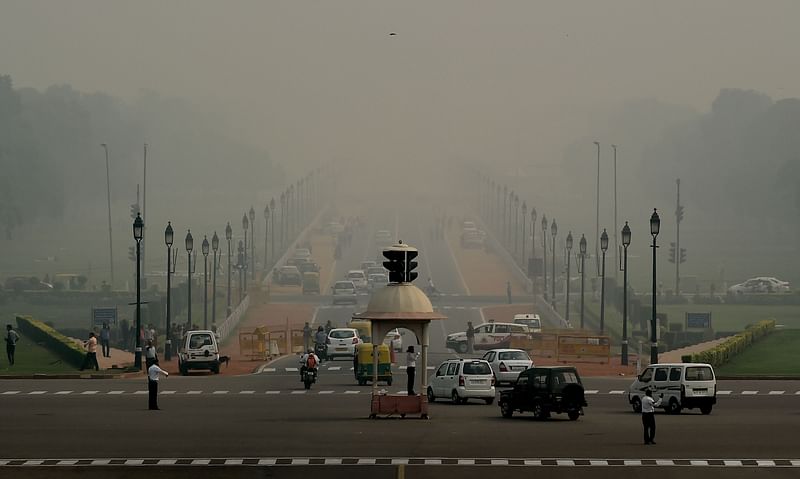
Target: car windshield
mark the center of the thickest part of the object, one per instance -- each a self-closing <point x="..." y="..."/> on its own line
<point x="343" y="286"/>
<point x="477" y="367"/>
<point x="562" y="378"/>
<point x="699" y="373"/>
<point x="342" y="334"/>
<point x="355" y="275"/>
<point x="199" y="340"/>
<point x="513" y="355"/>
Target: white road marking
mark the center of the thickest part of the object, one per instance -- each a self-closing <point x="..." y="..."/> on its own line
<point x="63" y="392"/>
<point x="326" y="392"/>
<point x="194" y="392"/>
<point x="90" y="392"/>
<point x="5" y="393"/>
<point x="616" y="392"/>
<point x="592" y="391"/>
<point x="247" y="392"/>
<point x="776" y="393"/>
<point x="291" y="370"/>
<point x="272" y="392"/>
<point x="749" y="393"/>
<point x="140" y="392"/>
<point x="334" y="368"/>
<point x="723" y="393"/>
<point x="269" y="370"/>
<point x="352" y="392"/>
<point x="116" y="392"/>
<point x="220" y="392"/>
<point x="299" y="392"/>
<point x="167" y="392"/>
<point x="36" y="393"/>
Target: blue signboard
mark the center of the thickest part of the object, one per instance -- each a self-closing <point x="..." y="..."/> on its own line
<point x="698" y="320"/>
<point x="102" y="316"/>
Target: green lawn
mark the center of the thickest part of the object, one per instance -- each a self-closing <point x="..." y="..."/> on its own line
<point x="32" y="358"/>
<point x="778" y="354"/>
<point x="733" y="317"/>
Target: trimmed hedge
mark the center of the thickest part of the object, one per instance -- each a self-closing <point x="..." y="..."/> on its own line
<point x="726" y="350"/>
<point x="51" y="339"/>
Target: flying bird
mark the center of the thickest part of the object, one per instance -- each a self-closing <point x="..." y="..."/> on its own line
<point x="392" y="34"/>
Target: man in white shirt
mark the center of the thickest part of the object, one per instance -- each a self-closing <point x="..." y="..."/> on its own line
<point x="411" y="368"/>
<point x="153" y="374"/>
<point x="649" y="406"/>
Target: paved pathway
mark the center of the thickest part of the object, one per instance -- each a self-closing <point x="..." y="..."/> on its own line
<point x="674" y="356"/>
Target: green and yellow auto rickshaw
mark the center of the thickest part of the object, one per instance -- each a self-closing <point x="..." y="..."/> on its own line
<point x="364" y="329"/>
<point x="363" y="364"/>
<point x="310" y="283"/>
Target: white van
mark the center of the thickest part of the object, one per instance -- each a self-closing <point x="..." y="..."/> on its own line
<point x="684" y="385"/>
<point x="199" y="350"/>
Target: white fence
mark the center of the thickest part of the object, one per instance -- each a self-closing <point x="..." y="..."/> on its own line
<point x="232" y="321"/>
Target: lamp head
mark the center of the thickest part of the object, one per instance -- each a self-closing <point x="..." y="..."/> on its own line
<point x="215" y="242"/>
<point x="582" y="244"/>
<point x="252" y="214"/>
<point x="604" y="241"/>
<point x="569" y="241"/>
<point x="245" y="222"/>
<point x="655" y="223"/>
<point x="138" y="228"/>
<point x="272" y="204"/>
<point x="189" y="242"/>
<point x="524" y="208"/>
<point x="533" y="215"/>
<point x="544" y="224"/>
<point x="554" y="228"/>
<point x="204" y="246"/>
<point x="266" y="212"/>
<point x="228" y="231"/>
<point x="626" y="235"/>
<point x="169" y="235"/>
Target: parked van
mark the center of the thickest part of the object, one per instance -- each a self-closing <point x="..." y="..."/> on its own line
<point x="199" y="350"/>
<point x="684" y="386"/>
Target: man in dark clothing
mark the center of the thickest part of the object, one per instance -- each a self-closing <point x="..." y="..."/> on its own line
<point x="307" y="337"/>
<point x="470" y="338"/>
<point x="508" y="291"/>
<point x="11" y="343"/>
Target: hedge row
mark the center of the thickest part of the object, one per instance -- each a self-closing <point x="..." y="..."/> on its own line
<point x="51" y="339"/>
<point x="726" y="350"/>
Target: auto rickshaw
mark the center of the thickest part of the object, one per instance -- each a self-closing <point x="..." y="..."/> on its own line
<point x="310" y="282"/>
<point x="364" y="329"/>
<point x="363" y="364"/>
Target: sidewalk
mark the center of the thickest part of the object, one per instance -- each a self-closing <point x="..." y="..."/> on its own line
<point x="675" y="355"/>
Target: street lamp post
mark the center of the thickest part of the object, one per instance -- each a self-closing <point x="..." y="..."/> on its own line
<point x="582" y="256"/>
<point x="524" y="231"/>
<point x="505" y="213"/>
<point x="240" y="265"/>
<point x="245" y="225"/>
<point x="252" y="214"/>
<point x="266" y="236"/>
<point x="655" y="226"/>
<point x="228" y="237"/>
<point x="603" y="248"/>
<point x="516" y="225"/>
<point x="138" y="229"/>
<point x="204" y="249"/>
<point x="169" y="238"/>
<point x="569" y="260"/>
<point x="215" y="247"/>
<point x="554" y="232"/>
<point x="616" y="240"/>
<point x="108" y="199"/>
<point x="597" y="207"/>
<point x="283" y="220"/>
<point x="626" y="241"/>
<point x="272" y="231"/>
<point x="189" y="247"/>
<point x="533" y="237"/>
<point x="544" y="256"/>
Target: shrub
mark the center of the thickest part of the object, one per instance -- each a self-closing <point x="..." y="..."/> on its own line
<point x="726" y="350"/>
<point x="51" y="339"/>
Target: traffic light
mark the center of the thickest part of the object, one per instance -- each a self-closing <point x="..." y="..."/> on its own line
<point x="132" y="253"/>
<point x="134" y="210"/>
<point x="683" y="255"/>
<point x="679" y="213"/>
<point x="410" y="266"/>
<point x="672" y="252"/>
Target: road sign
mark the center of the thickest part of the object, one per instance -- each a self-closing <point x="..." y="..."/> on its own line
<point x="102" y="316"/>
<point x="698" y="320"/>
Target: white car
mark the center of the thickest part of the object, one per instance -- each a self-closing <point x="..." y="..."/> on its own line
<point x="342" y="342"/>
<point x="761" y="284"/>
<point x="394" y="340"/>
<point x="377" y="281"/>
<point x="508" y="363"/>
<point x="532" y="321"/>
<point x="462" y="379"/>
<point x="366" y="265"/>
<point x="489" y="335"/>
<point x="358" y="278"/>
<point x="344" y="292"/>
<point x="302" y="253"/>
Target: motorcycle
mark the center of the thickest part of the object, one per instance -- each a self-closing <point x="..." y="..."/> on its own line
<point x="321" y="350"/>
<point x="309" y="377"/>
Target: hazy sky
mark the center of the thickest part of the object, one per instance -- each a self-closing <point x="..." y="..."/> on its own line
<point x="461" y="78"/>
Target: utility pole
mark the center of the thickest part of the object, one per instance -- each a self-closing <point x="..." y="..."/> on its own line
<point x="108" y="198"/>
<point x="678" y="255"/>
<point x="616" y="239"/>
<point x="144" y="218"/>
<point x="597" y="212"/>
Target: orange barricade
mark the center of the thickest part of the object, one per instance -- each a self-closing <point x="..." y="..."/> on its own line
<point x="585" y="348"/>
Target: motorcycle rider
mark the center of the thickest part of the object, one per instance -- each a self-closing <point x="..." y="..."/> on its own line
<point x="308" y="361"/>
<point x="431" y="287"/>
<point x="320" y="340"/>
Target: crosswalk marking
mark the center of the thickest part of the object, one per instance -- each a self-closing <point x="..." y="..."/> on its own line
<point x="272" y="392"/>
<point x="352" y="392"/>
<point x="269" y="370"/>
<point x="724" y="393"/>
<point x="168" y="392"/>
<point x="36" y="392"/>
<point x="591" y="391"/>
<point x="298" y="392"/>
<point x="749" y="393"/>
<point x="247" y="392"/>
<point x="89" y="392"/>
<point x="334" y="368"/>
<point x="6" y="393"/>
<point x="63" y="392"/>
<point x="776" y="393"/>
<point x="220" y="392"/>
<point x="291" y="370"/>
<point x="194" y="392"/>
<point x="616" y="392"/>
<point x="116" y="392"/>
<point x="140" y="392"/>
<point x="326" y="392"/>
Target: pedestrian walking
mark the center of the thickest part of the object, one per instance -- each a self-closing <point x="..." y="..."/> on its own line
<point x="307" y="337"/>
<point x="150" y="356"/>
<point x="470" y="338"/>
<point x="11" y="343"/>
<point x="91" y="353"/>
<point x="508" y="291"/>
<point x="153" y="374"/>
<point x="411" y="368"/>
<point x="328" y="326"/>
<point x="649" y="416"/>
<point x="105" y="340"/>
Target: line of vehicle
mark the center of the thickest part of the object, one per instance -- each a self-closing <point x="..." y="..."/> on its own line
<point x="590" y="392"/>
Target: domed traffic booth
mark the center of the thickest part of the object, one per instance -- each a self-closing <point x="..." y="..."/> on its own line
<point x="400" y="305"/>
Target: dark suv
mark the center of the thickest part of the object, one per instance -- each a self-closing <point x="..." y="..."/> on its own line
<point x="545" y="390"/>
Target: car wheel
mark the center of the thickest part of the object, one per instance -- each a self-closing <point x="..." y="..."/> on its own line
<point x="636" y="404"/>
<point x="462" y="348"/>
<point x="431" y="396"/>
<point x="455" y="398"/>
<point x="673" y="407"/>
<point x="706" y="409"/>
<point x="505" y="409"/>
<point x="538" y="411"/>
<point x="489" y="400"/>
<point x="574" y="415"/>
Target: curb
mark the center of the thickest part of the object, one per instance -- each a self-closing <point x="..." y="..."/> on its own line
<point x="759" y="378"/>
<point x="72" y="376"/>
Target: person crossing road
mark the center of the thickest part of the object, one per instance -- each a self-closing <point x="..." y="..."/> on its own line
<point x="649" y="416"/>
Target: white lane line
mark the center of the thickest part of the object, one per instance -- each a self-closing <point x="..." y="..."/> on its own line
<point x="724" y="393"/>
<point x="194" y="392"/>
<point x="299" y="392"/>
<point x="140" y="392"/>
<point x="272" y="392"/>
<point x="352" y="368"/>
<point x="220" y="392"/>
<point x="291" y="370"/>
<point x="402" y="393"/>
<point x="431" y="368"/>
<point x="776" y="393"/>
<point x="168" y="392"/>
<point x="63" y="392"/>
<point x="334" y="368"/>
<point x="116" y="392"/>
<point x="352" y="392"/>
<point x="749" y="393"/>
<point x="247" y="392"/>
<point x="326" y="392"/>
<point x="87" y="393"/>
<point x="36" y="393"/>
<point x="6" y="393"/>
<point x="617" y="392"/>
<point x="269" y="370"/>
<point x="797" y="393"/>
<point x="592" y="391"/>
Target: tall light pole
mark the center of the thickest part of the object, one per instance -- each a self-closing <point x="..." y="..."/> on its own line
<point x="228" y="237"/>
<point x="626" y="241"/>
<point x="169" y="238"/>
<point x="655" y="226"/>
<point x="266" y="236"/>
<point x="108" y="200"/>
<point x="582" y="256"/>
<point x="138" y="230"/>
<point x="603" y="248"/>
<point x="509" y="234"/>
<point x="533" y="240"/>
<point x="272" y="230"/>
<point x="252" y="214"/>
<point x="245" y="224"/>
<point x="240" y="265"/>
<point x="516" y="225"/>
<point x="597" y="206"/>
<point x="569" y="260"/>
<point x="616" y="239"/>
<point x="189" y="247"/>
<point x="215" y="247"/>
<point x="499" y="219"/>
<point x="524" y="231"/>
<point x="283" y="220"/>
<point x="505" y="213"/>
<point x="204" y="249"/>
<point x="544" y="255"/>
<point x="554" y="233"/>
